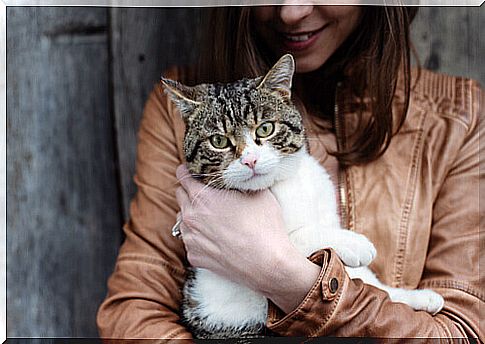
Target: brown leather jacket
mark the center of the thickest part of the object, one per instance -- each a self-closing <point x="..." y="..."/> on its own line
<point x="418" y="203"/>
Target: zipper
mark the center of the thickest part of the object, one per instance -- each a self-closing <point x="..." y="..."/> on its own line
<point x="342" y="174"/>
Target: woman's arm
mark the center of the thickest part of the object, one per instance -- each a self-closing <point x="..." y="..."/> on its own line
<point x="144" y="289"/>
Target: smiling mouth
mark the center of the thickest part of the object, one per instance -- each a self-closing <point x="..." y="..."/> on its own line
<point x="299" y="38"/>
<point x="303" y="36"/>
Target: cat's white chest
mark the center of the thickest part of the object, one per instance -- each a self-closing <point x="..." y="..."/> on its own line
<point x="307" y="200"/>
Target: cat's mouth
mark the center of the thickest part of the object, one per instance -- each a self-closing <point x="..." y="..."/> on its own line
<point x="256" y="175"/>
<point x="257" y="181"/>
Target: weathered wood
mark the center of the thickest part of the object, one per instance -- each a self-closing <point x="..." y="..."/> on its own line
<point x="62" y="199"/>
<point x="450" y="40"/>
<point x="145" y="42"/>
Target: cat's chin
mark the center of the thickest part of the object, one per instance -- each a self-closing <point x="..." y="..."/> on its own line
<point x="256" y="183"/>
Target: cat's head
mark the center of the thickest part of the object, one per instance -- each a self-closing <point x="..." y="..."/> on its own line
<point x="244" y="135"/>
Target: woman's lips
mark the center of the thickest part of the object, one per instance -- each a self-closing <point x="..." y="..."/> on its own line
<point x="300" y="41"/>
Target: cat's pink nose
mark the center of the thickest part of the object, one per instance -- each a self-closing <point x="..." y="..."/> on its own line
<point x="249" y="160"/>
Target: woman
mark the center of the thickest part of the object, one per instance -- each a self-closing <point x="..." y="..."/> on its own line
<point x="403" y="153"/>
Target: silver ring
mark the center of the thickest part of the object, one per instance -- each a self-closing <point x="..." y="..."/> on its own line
<point x="176" y="227"/>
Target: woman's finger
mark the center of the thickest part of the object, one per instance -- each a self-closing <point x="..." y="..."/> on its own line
<point x="182" y="172"/>
<point x="182" y="197"/>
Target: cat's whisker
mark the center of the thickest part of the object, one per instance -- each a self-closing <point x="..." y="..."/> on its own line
<point x="197" y="175"/>
<point x="287" y="167"/>
<point x="183" y="178"/>
<point x="211" y="174"/>
<point x="177" y="182"/>
<point x="200" y="192"/>
<point x="209" y="184"/>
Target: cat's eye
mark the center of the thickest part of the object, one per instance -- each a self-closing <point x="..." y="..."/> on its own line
<point x="265" y="129"/>
<point x="219" y="141"/>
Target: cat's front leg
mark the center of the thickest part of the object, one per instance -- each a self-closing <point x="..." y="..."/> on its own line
<point x="353" y="249"/>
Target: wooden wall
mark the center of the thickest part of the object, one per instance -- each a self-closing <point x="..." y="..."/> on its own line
<point x="77" y="79"/>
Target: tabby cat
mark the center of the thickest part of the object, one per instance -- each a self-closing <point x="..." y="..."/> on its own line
<point x="248" y="136"/>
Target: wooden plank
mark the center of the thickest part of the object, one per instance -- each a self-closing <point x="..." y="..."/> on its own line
<point x="3" y="171"/>
<point x="145" y="42"/>
<point x="62" y="199"/>
<point x="450" y="40"/>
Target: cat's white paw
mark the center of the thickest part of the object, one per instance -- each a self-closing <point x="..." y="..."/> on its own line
<point x="432" y="302"/>
<point x="420" y="300"/>
<point x="354" y="249"/>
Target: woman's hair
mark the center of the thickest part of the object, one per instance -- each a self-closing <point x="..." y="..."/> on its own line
<point x="375" y="57"/>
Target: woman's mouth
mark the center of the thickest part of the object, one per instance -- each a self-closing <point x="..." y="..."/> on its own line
<point x="300" y="41"/>
<point x="299" y="38"/>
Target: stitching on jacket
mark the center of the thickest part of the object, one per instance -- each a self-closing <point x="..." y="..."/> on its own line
<point x="458" y="120"/>
<point x="350" y="200"/>
<point x="315" y="332"/>
<point x="158" y="262"/>
<point x="426" y="103"/>
<point x="475" y="96"/>
<point x="463" y="106"/>
<point x="452" y="284"/>
<point x="335" y="300"/>
<point x="408" y="203"/>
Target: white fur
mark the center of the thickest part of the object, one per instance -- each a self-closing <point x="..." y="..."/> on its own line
<point x="227" y="304"/>
<point x="307" y="198"/>
<point x="270" y="168"/>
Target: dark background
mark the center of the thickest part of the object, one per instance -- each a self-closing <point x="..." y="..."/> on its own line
<point x="77" y="79"/>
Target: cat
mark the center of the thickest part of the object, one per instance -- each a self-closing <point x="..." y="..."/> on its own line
<point x="248" y="136"/>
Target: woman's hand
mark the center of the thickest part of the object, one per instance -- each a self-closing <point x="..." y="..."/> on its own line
<point x="242" y="237"/>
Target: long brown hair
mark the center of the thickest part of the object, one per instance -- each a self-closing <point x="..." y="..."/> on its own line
<point x="377" y="55"/>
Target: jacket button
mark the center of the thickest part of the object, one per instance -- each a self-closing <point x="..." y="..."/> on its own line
<point x="333" y="285"/>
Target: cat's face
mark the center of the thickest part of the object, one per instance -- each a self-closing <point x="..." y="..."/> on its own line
<point x="244" y="135"/>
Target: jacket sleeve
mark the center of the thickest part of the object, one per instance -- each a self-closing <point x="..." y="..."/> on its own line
<point x="144" y="289"/>
<point x="356" y="309"/>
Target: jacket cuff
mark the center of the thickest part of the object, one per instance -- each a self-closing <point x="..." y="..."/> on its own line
<point x="311" y="316"/>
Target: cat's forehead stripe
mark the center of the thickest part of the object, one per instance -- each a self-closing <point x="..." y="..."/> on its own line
<point x="224" y="112"/>
<point x="230" y="106"/>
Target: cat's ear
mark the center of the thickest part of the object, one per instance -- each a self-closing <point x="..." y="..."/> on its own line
<point x="183" y="96"/>
<point x="280" y="76"/>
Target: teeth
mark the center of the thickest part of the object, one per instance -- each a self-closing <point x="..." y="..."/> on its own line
<point x="300" y="38"/>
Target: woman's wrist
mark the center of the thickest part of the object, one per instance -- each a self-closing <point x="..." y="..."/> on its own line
<point x="290" y="280"/>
